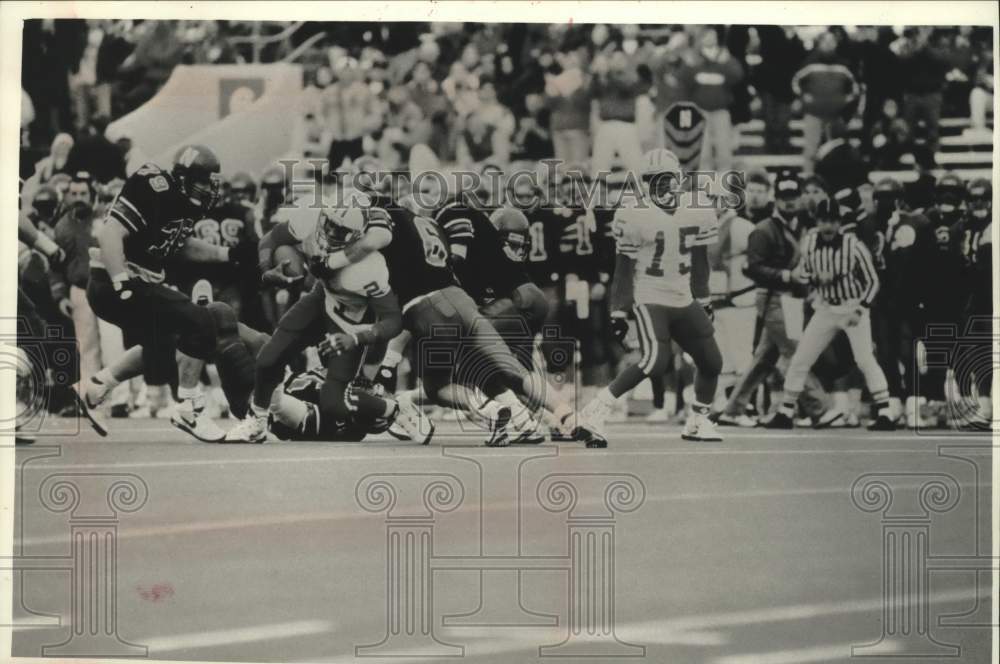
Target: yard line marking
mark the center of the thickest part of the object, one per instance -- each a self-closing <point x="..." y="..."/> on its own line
<point x="374" y="455"/>
<point x="233" y="636"/>
<point x="299" y="518"/>
<point x="787" y="613"/>
<point x="834" y="652"/>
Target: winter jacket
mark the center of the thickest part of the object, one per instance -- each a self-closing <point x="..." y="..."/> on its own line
<point x="710" y="83"/>
<point x="772" y="248"/>
<point x="825" y="84"/>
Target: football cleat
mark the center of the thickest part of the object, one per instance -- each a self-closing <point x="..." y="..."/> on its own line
<point x="658" y="415"/>
<point x="498" y="428"/>
<point x="88" y="398"/>
<point x="197" y="424"/>
<point x="413" y="422"/>
<point x="251" y="429"/>
<point x="741" y="420"/>
<point x="527" y="430"/>
<point x="700" y="428"/>
<point x="828" y="419"/>
<point x="882" y="423"/>
<point x="590" y="424"/>
<point x="201" y="292"/>
<point x="779" y="421"/>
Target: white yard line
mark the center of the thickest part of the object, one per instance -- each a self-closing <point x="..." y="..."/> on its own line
<point x="299" y="518"/>
<point x="226" y="637"/>
<point x="839" y="652"/>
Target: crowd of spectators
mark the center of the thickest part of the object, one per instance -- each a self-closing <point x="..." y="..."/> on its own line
<point x="590" y="96"/>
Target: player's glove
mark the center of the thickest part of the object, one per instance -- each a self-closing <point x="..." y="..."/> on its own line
<point x="335" y="344"/>
<point x="619" y="325"/>
<point x="125" y="287"/>
<point x="318" y="267"/>
<point x="709" y="309"/>
<point x="276" y="277"/>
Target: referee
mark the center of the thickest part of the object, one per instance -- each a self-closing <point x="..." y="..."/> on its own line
<point x="840" y="271"/>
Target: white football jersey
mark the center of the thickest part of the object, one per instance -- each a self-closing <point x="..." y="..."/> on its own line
<point x="660" y="242"/>
<point x="349" y="289"/>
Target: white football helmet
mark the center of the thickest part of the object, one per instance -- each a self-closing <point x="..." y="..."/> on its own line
<point x="342" y="221"/>
<point x="660" y="161"/>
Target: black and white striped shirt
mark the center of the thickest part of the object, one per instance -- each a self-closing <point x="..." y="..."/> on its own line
<point x="841" y="269"/>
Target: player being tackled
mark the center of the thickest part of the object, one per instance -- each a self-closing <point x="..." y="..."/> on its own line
<point x="661" y="269"/>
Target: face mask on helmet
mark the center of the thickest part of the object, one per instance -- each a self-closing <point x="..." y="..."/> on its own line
<point x="516" y="246"/>
<point x="979" y="206"/>
<point x="339" y="228"/>
<point x="205" y="194"/>
<point x="662" y="188"/>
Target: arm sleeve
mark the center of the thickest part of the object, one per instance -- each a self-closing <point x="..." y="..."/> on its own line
<point x="621" y="285"/>
<point x="758" y="246"/>
<point x="864" y="271"/>
<point x="627" y="240"/>
<point x="700" y="271"/>
<point x="390" y="320"/>
<point x="458" y="230"/>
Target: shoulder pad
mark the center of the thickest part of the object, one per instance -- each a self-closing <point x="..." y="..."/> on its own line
<point x="302" y="221"/>
<point x="369" y="276"/>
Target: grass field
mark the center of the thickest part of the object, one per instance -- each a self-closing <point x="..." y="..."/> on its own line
<point x="747" y="551"/>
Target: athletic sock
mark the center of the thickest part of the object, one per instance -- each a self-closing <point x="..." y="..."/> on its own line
<point x="104" y="377"/>
<point x="605" y="396"/>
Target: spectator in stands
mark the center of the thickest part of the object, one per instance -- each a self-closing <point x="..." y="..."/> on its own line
<point x="781" y="55"/>
<point x="665" y="67"/>
<point x="825" y="86"/>
<point x="352" y="112"/>
<point x="889" y="139"/>
<point x="615" y="86"/>
<point x="462" y="84"/>
<point x="424" y="91"/>
<point x="74" y="234"/>
<point x="83" y="82"/>
<point x="566" y="93"/>
<point x="924" y="67"/>
<point x="880" y="74"/>
<point x="96" y="155"/>
<point x="146" y="69"/>
<point x="485" y="134"/>
<point x="111" y="53"/>
<point x="54" y="163"/>
<point x="981" y="98"/>
<point x="405" y="126"/>
<point x="709" y="80"/>
<point x="533" y="140"/>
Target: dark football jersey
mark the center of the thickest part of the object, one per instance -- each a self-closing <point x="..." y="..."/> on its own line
<point x="227" y="225"/>
<point x="157" y="215"/>
<point x="306" y="387"/>
<point x="417" y="256"/>
<point x="486" y="272"/>
<point x="971" y="242"/>
<point x="545" y="232"/>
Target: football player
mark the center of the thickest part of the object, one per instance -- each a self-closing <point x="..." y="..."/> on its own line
<point x="420" y="271"/>
<point x="150" y="222"/>
<point x="354" y="306"/>
<point x="295" y="413"/>
<point x="662" y="267"/>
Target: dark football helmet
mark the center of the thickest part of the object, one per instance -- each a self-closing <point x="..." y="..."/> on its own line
<point x="513" y="227"/>
<point x="197" y="172"/>
<point x="242" y="187"/>
<point x="980" y="198"/>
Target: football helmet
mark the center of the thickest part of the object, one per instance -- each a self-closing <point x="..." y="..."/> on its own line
<point x="661" y="172"/>
<point x="45" y="203"/>
<point x="197" y="171"/>
<point x="242" y="187"/>
<point x="513" y="227"/>
<point x="980" y="198"/>
<point x="343" y="222"/>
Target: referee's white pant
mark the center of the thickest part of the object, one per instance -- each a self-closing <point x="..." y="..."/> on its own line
<point x="826" y="322"/>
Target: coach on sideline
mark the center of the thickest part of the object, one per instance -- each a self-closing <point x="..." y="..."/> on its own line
<point x="772" y="254"/>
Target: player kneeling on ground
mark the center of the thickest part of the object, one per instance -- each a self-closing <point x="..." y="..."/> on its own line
<point x="661" y="267"/>
<point x="295" y="410"/>
<point x="351" y="308"/>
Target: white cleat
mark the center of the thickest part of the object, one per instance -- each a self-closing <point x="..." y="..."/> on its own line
<point x="526" y="429"/>
<point x="251" y="429"/>
<point x="198" y="425"/>
<point x="698" y="427"/>
<point x="590" y="424"/>
<point x="201" y="292"/>
<point x="658" y="416"/>
<point x="412" y="422"/>
<point x="499" y="420"/>
<point x="741" y="420"/>
<point x="88" y="398"/>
